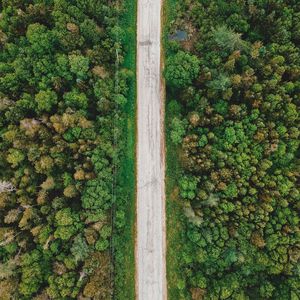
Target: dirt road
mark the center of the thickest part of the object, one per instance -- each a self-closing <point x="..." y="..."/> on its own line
<point x="150" y="244"/>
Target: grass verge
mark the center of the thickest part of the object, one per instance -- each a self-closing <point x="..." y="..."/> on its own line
<point x="124" y="242"/>
<point x="175" y="226"/>
<point x="174" y="215"/>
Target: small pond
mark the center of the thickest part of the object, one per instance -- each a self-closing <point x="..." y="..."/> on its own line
<point x="179" y="35"/>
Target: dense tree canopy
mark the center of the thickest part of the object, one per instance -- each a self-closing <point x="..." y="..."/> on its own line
<point x="236" y="122"/>
<point x="60" y="114"/>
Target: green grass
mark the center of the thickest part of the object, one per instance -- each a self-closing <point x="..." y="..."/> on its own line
<point x="174" y="217"/>
<point x="175" y="226"/>
<point x="125" y="242"/>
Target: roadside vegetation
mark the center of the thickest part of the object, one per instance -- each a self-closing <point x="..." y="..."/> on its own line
<point x="66" y="149"/>
<point x="233" y="126"/>
<point x="124" y="241"/>
<point x="175" y="230"/>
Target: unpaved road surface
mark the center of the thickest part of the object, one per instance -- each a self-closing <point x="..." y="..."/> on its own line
<point x="150" y="243"/>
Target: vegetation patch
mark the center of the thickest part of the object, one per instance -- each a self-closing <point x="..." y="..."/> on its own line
<point x="124" y="240"/>
<point x="233" y="110"/>
<point x="66" y="96"/>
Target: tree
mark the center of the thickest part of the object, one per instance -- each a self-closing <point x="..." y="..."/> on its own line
<point x="46" y="100"/>
<point x="15" y="157"/>
<point x="79" y="65"/>
<point x="8" y="288"/>
<point x="266" y="290"/>
<point x="6" y="186"/>
<point x="64" y="286"/>
<point x="34" y="270"/>
<point x="178" y="131"/>
<point x="41" y="40"/>
<point x="181" y="69"/>
<point x="227" y="39"/>
<point x="75" y="99"/>
<point x="80" y="249"/>
<point x="67" y="224"/>
<point x="220" y="84"/>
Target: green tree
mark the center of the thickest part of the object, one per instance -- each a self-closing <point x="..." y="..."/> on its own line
<point x="34" y="272"/>
<point x="227" y="39"/>
<point x="64" y="286"/>
<point x="181" y="69"/>
<point x="79" y="65"/>
<point x="178" y="130"/>
<point x="80" y="249"/>
<point x="67" y="224"/>
<point x="75" y="99"/>
<point x="46" y="100"/>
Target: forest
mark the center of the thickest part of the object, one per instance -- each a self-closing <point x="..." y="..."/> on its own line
<point x="233" y="127"/>
<point x="67" y="148"/>
<point x="65" y="80"/>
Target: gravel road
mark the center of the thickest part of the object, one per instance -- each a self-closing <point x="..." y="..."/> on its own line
<point x="150" y="243"/>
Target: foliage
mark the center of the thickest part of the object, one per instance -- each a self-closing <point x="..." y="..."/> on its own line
<point x="46" y="100"/>
<point x="237" y="149"/>
<point x="178" y="130"/>
<point x="181" y="69"/>
<point x="227" y="39"/>
<point x="62" y="103"/>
